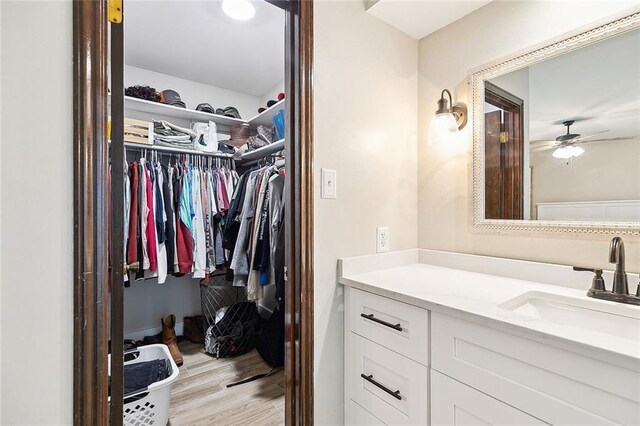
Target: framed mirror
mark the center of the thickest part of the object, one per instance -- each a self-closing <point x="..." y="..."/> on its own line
<point x="556" y="135"/>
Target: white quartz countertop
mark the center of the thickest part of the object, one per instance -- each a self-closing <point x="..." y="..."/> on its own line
<point x="477" y="297"/>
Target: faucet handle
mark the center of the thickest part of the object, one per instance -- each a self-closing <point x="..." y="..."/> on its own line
<point x="598" y="282"/>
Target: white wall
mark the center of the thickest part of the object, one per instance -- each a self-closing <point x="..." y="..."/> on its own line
<point x="365" y="108"/>
<point x="606" y="171"/>
<point x="36" y="267"/>
<point x="191" y="92"/>
<point x="147" y="302"/>
<point x="272" y="93"/>
<point x="494" y="31"/>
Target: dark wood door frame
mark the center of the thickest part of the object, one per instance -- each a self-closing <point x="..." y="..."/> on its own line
<point x="90" y="258"/>
<point x="91" y="230"/>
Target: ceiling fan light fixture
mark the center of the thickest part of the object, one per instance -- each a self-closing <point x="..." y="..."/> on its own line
<point x="566" y="152"/>
<point x="240" y="10"/>
<point x="577" y="151"/>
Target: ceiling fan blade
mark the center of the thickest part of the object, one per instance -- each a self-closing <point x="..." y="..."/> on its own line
<point x="544" y="148"/>
<point x="606" y="140"/>
<point x="542" y="143"/>
<point x="581" y="138"/>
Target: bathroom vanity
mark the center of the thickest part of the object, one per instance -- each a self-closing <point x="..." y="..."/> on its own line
<point x="444" y="338"/>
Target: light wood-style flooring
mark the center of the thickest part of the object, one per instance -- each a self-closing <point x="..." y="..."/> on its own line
<point x="200" y="395"/>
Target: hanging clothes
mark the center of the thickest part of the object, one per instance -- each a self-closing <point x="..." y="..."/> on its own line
<point x="174" y="218"/>
<point x="252" y="230"/>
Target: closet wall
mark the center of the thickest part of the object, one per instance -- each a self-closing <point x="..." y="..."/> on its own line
<point x="365" y="114"/>
<point x="36" y="226"/>
<point x="192" y="92"/>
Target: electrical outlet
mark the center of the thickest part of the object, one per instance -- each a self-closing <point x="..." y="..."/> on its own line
<point x="382" y="240"/>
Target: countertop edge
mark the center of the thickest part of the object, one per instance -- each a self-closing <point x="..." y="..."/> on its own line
<point x="559" y="342"/>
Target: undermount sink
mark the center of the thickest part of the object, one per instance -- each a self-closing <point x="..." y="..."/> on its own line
<point x="598" y="316"/>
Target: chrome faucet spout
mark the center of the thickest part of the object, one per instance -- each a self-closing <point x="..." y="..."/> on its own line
<point x="616" y="255"/>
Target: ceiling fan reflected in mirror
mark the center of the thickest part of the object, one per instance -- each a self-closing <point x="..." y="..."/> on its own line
<point x="566" y="145"/>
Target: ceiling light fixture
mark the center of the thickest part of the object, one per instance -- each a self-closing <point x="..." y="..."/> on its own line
<point x="447" y="121"/>
<point x="566" y="152"/>
<point x="241" y="10"/>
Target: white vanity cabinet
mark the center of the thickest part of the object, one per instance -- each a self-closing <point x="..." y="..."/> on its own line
<point x="387" y="361"/>
<point x="405" y="365"/>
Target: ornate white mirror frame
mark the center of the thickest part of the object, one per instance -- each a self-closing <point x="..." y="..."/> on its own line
<point x="477" y="78"/>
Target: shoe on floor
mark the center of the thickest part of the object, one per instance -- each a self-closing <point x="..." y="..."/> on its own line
<point x="192" y="330"/>
<point x="170" y="339"/>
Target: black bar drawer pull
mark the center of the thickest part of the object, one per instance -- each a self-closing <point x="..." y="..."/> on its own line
<point x="379" y="321"/>
<point x="369" y="379"/>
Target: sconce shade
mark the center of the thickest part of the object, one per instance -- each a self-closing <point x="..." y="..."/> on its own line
<point x="447" y="122"/>
<point x="443" y="128"/>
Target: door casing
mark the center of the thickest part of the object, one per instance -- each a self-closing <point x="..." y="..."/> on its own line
<point x="93" y="303"/>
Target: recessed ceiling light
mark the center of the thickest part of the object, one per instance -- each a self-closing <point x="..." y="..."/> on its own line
<point x="241" y="10"/>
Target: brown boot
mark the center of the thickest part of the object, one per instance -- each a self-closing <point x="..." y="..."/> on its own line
<point x="169" y="338"/>
<point x="192" y="330"/>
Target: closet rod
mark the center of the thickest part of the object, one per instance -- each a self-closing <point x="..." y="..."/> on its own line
<point x="177" y="150"/>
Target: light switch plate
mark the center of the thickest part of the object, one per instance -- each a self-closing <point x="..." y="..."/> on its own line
<point x="328" y="189"/>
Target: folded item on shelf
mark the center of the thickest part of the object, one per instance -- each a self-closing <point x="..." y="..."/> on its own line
<point x="207" y="136"/>
<point x="264" y="137"/>
<point x="178" y="131"/>
<point x="171" y="97"/>
<point x="140" y="375"/>
<point x="167" y="134"/>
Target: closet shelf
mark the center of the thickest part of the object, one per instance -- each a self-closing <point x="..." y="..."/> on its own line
<point x="156" y="108"/>
<point x="177" y="150"/>
<point x="263" y="152"/>
<point x="265" y="118"/>
<point x="248" y="156"/>
<point x="141" y="105"/>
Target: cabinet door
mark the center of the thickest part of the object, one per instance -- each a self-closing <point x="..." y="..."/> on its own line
<point x="453" y="403"/>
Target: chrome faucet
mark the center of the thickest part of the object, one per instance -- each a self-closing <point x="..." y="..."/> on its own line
<point x="616" y="255"/>
<point x="620" y="290"/>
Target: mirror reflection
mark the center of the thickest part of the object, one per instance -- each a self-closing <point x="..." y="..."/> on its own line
<point x="562" y="136"/>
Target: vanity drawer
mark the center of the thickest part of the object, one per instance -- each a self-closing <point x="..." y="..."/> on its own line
<point x="395" y="325"/>
<point x="391" y="387"/>
<point x="552" y="384"/>
<point x="358" y="416"/>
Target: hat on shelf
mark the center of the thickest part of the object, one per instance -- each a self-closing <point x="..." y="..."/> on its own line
<point x="231" y="112"/>
<point x="142" y="92"/>
<point x="171" y="97"/>
<point x="271" y="103"/>
<point x="280" y="96"/>
<point x="261" y="110"/>
<point x="205" y="107"/>
<point x="239" y="135"/>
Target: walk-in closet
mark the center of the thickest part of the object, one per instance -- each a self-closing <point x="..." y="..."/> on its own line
<point x="204" y="233"/>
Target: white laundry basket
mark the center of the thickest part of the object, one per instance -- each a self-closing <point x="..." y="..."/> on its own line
<point x="151" y="406"/>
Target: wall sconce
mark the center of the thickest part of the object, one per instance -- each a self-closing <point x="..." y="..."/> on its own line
<point x="447" y="121"/>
